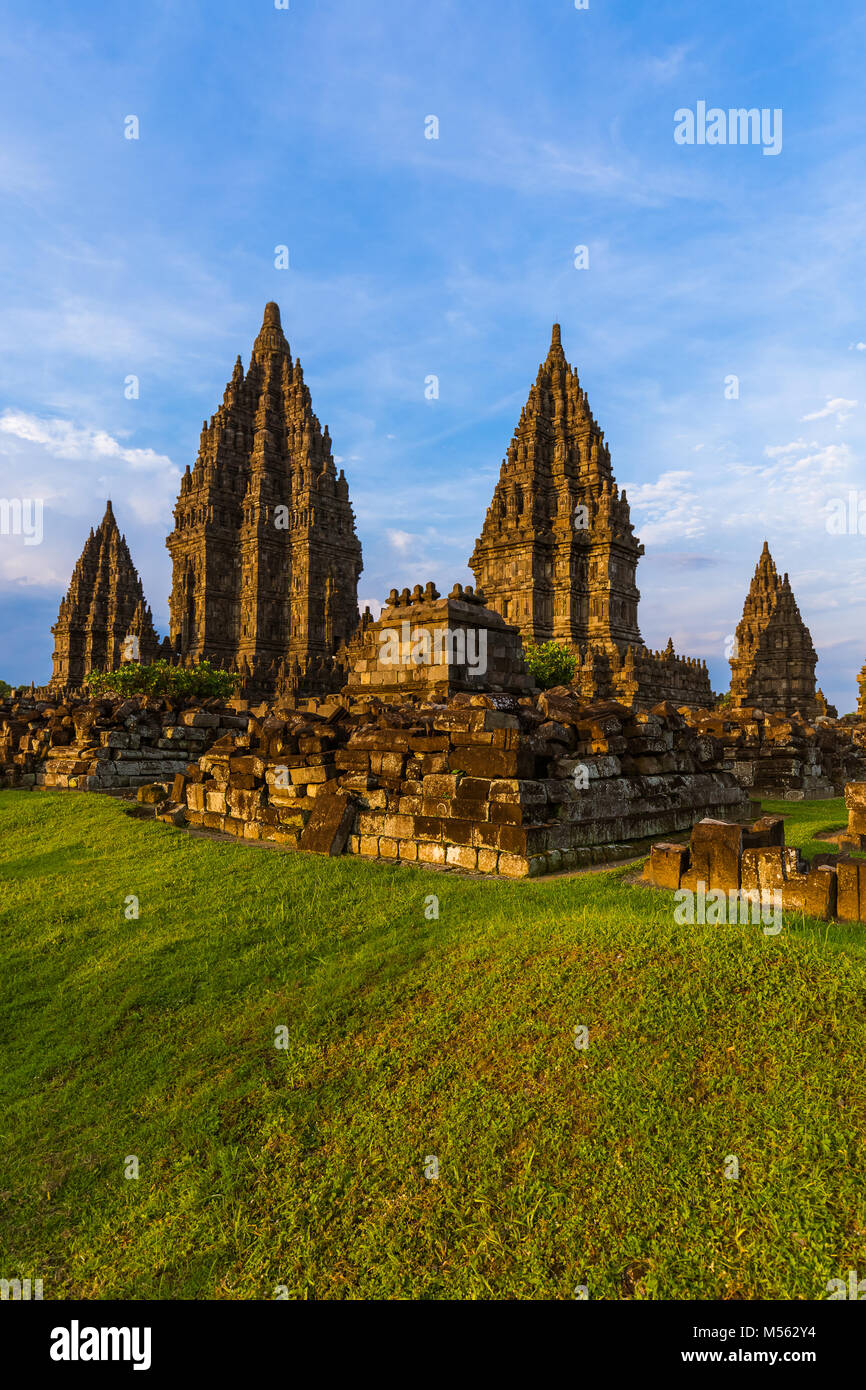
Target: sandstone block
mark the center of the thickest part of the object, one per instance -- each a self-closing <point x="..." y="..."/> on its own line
<point x="328" y="829"/>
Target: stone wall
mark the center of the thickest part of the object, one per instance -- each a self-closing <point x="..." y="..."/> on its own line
<point x="786" y="756"/>
<point x="485" y="783"/>
<point x="106" y="744"/>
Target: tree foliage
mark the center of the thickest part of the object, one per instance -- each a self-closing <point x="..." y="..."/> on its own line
<point x="161" y="678"/>
<point x="550" y="663"/>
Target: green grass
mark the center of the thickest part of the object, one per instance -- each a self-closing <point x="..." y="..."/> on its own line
<point x="804" y="818"/>
<point x="410" y="1037"/>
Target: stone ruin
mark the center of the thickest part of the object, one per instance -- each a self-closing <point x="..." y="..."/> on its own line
<point x="265" y="568"/>
<point x="431" y="647"/>
<point x="106" y="744"/>
<point x="754" y="862"/>
<point x="265" y="565"/>
<point x="104" y="605"/>
<point x="496" y="784"/>
<point x="785" y="756"/>
<point x="265" y="559"/>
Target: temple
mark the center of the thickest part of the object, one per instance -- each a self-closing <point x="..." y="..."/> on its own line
<point x="773" y="666"/>
<point x="103" y="606"/>
<point x="265" y="559"/>
<point x="557" y="555"/>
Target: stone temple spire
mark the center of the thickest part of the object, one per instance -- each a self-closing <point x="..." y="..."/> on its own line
<point x="265" y="560"/>
<point x="773" y="665"/>
<point x="557" y="554"/>
<point x="104" y="605"/>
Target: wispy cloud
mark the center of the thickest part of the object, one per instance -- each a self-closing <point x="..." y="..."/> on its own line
<point x="838" y="407"/>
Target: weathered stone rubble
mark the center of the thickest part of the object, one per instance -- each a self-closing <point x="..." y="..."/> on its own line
<point x="485" y="783"/>
<point x="490" y="783"/>
<point x="777" y="755"/>
<point x="106" y="744"/>
<point x="726" y="857"/>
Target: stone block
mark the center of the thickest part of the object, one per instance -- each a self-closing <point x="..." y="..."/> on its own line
<point x="430" y="853"/>
<point x="848" y="905"/>
<point x="513" y="866"/>
<point x="667" y="864"/>
<point x="462" y="856"/>
<point x="820" y="898"/>
<point x="715" y="851"/>
<point x="152" y="793"/>
<point x="328" y="829"/>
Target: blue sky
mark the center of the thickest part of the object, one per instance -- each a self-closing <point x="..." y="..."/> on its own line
<point x="411" y="257"/>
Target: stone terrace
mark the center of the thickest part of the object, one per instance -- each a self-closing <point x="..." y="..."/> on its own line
<point x="486" y="783"/>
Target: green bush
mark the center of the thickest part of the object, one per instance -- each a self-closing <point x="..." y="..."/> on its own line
<point x="550" y="664"/>
<point x="161" y="678"/>
<point x="5" y="689"/>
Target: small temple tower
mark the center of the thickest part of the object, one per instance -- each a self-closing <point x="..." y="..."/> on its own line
<point x="265" y="559"/>
<point x="104" y="605"/>
<point x="774" y="663"/>
<point x="557" y="554"/>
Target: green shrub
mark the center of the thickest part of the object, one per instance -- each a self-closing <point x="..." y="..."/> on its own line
<point x="161" y="678"/>
<point x="5" y="689"/>
<point x="550" y="664"/>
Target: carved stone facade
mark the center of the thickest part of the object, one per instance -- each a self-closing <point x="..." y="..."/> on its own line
<point x="558" y="556"/>
<point x="774" y="664"/>
<point x="264" y="553"/>
<point x="431" y="647"/>
<point x="104" y="604"/>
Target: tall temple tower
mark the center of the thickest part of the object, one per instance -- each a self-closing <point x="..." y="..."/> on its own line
<point x="774" y="663"/>
<point x="265" y="560"/>
<point x="557" y="554"/>
<point x="104" y="605"/>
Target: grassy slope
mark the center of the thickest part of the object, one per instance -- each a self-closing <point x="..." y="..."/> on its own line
<point x="408" y="1037"/>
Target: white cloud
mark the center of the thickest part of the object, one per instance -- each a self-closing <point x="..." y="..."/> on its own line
<point x="402" y="541"/>
<point x="72" y="469"/>
<point x="838" y="406"/>
<point x="667" y="509"/>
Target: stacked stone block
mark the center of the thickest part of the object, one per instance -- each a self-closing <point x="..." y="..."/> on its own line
<point x="491" y="784"/>
<point x="431" y="647"/>
<point x="500" y="784"/>
<point x="756" y="862"/>
<point x="787" y="756"/>
<point x="105" y="744"/>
